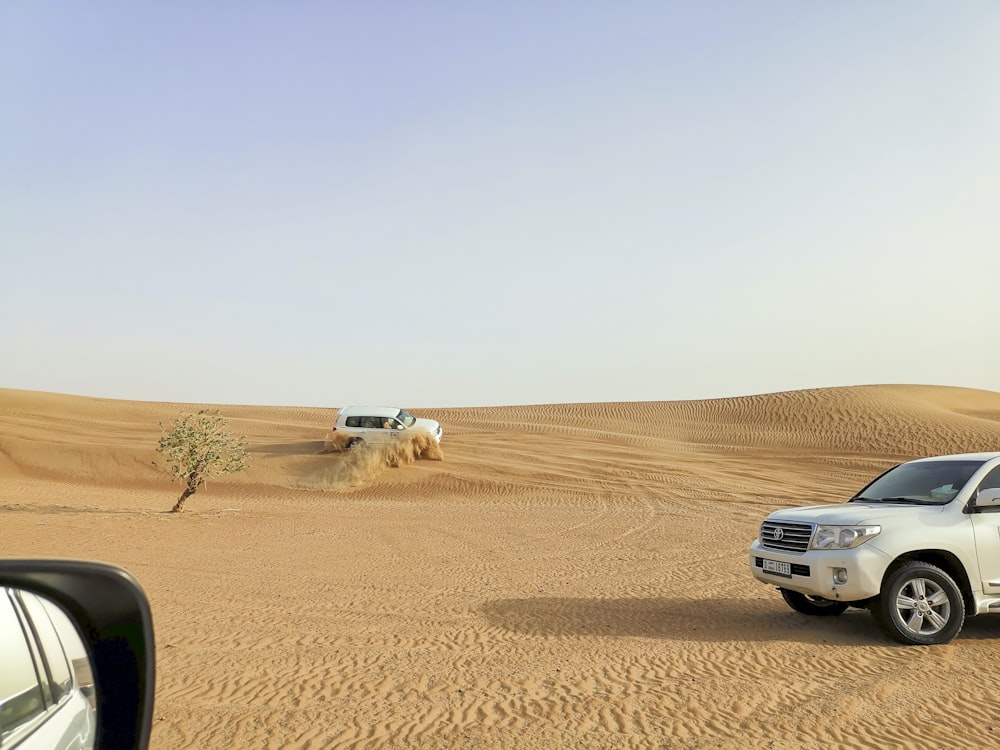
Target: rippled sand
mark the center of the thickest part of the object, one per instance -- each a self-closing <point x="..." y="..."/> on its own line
<point x="563" y="576"/>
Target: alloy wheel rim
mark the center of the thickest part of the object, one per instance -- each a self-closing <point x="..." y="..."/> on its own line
<point x="923" y="606"/>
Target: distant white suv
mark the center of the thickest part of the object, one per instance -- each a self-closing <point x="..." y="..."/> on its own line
<point x="380" y="425"/>
<point x="919" y="546"/>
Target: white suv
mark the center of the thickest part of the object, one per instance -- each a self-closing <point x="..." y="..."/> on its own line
<point x="380" y="425"/>
<point x="919" y="546"/>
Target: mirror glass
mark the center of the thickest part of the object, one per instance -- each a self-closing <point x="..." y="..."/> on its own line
<point x="46" y="683"/>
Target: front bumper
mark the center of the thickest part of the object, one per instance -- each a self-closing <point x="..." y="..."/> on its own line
<point x="813" y="571"/>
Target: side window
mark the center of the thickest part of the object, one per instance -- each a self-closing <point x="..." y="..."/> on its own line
<point x="354" y="421"/>
<point x="59" y="677"/>
<point x="20" y="691"/>
<point x="372" y="422"/>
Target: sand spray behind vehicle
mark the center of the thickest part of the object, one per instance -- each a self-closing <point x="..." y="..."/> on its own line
<point x="363" y="463"/>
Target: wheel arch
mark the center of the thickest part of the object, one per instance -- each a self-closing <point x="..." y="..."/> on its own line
<point x="949" y="562"/>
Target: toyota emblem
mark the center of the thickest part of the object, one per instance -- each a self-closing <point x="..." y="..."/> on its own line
<point x="778" y="534"/>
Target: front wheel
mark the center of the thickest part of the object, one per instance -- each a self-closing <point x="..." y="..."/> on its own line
<point x="920" y="605"/>
<point x="816" y="606"/>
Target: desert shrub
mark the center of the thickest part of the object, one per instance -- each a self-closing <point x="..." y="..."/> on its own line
<point x="199" y="446"/>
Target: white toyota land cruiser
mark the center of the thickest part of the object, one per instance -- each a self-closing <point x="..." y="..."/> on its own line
<point x="919" y="546"/>
<point x="358" y="425"/>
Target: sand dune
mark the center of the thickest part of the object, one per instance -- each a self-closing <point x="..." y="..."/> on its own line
<point x="567" y="576"/>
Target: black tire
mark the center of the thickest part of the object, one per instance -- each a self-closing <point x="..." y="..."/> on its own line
<point x="354" y="443"/>
<point x="920" y="605"/>
<point x="815" y="606"/>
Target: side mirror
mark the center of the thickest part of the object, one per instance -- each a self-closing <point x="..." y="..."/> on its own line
<point x="988" y="498"/>
<point x="111" y="613"/>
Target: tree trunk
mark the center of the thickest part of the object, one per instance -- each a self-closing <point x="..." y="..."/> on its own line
<point x="192" y="487"/>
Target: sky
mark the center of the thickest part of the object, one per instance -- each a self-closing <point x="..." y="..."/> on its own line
<point x="452" y="204"/>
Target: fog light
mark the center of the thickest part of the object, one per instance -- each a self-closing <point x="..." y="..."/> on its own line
<point x="840" y="576"/>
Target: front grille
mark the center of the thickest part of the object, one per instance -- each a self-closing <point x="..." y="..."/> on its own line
<point x="785" y="536"/>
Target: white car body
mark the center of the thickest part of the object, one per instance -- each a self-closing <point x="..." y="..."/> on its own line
<point x="42" y="701"/>
<point x="381" y="425"/>
<point x="954" y="527"/>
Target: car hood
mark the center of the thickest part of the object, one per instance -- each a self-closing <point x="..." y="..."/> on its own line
<point x="850" y="514"/>
<point x="426" y="425"/>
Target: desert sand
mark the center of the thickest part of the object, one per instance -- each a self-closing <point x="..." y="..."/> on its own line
<point x="565" y="576"/>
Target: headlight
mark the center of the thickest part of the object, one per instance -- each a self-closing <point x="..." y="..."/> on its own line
<point x="843" y="537"/>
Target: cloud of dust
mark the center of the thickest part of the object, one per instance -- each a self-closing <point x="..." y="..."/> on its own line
<point x="362" y="464"/>
<point x="335" y="441"/>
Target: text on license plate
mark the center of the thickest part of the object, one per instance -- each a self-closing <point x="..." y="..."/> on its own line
<point x="778" y="568"/>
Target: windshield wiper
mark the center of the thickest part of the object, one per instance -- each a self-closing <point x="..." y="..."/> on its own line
<point x="909" y="500"/>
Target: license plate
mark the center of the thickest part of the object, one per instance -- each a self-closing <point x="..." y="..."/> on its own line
<point x="778" y="568"/>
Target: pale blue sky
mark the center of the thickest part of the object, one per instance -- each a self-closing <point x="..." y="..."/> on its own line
<point x="466" y="204"/>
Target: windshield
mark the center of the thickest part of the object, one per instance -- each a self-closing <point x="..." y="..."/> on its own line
<point x="930" y="482"/>
<point x="405" y="418"/>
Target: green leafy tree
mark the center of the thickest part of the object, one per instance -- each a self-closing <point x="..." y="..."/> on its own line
<point x="199" y="446"/>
